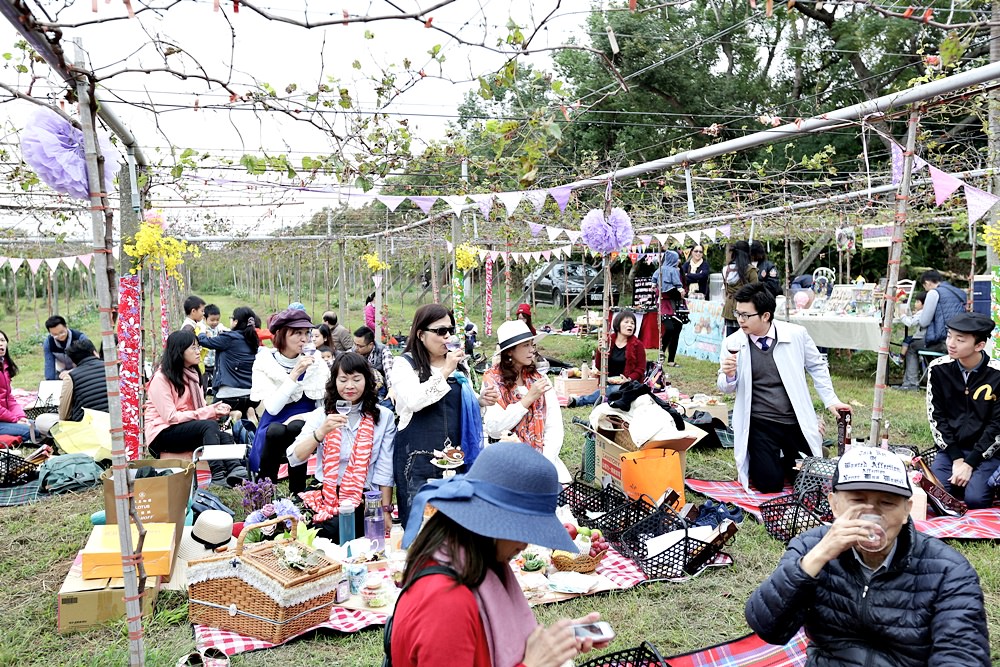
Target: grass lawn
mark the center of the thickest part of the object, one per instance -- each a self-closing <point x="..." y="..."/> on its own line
<point x="37" y="544"/>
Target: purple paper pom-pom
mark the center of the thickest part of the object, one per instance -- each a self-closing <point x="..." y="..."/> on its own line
<point x="604" y="236"/>
<point x="54" y="149"/>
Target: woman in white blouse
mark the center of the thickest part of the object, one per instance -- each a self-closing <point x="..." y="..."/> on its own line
<point x="435" y="403"/>
<point x="353" y="451"/>
<point x="290" y="384"/>
<point x="526" y="401"/>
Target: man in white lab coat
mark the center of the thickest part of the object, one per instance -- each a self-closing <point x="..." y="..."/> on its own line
<point x="765" y="365"/>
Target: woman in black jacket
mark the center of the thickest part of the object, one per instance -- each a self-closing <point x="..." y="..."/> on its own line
<point x="696" y="271"/>
<point x="235" y="352"/>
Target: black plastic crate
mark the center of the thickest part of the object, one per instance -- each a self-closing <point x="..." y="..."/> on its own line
<point x="786" y="516"/>
<point x="616" y="521"/>
<point x="15" y="471"/>
<point x="676" y="561"/>
<point x="582" y="497"/>
<point x="644" y="655"/>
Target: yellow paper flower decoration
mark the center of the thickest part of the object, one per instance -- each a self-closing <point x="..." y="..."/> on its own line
<point x="374" y="263"/>
<point x="151" y="248"/>
<point x="466" y="257"/>
<point x="991" y="236"/>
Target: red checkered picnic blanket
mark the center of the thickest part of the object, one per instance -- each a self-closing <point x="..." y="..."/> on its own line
<point x="731" y="491"/>
<point x="617" y="568"/>
<point x="749" y="651"/>
<point x="981" y="524"/>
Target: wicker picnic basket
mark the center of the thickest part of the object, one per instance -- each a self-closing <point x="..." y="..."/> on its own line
<point x="579" y="563"/>
<point x="250" y="591"/>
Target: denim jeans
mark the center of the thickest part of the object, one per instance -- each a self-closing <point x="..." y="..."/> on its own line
<point x="9" y="428"/>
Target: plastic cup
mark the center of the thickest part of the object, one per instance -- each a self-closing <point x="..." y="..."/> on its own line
<point x="877" y="539"/>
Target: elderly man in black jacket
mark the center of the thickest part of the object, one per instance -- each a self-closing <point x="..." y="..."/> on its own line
<point x="869" y="589"/>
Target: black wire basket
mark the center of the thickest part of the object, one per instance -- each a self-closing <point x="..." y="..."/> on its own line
<point x="35" y="412"/>
<point x="615" y="522"/>
<point x="683" y="559"/>
<point x="644" y="655"/>
<point x="816" y="477"/>
<point x="582" y="497"/>
<point x="786" y="516"/>
<point x="15" y="471"/>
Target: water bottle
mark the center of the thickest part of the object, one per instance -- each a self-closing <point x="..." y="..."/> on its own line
<point x="346" y="523"/>
<point x="375" y="520"/>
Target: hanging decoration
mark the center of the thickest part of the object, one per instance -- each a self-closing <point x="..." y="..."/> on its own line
<point x="54" y="150"/>
<point x="606" y="234"/>
<point x="466" y="259"/>
<point x="374" y="263"/>
<point x="488" y="304"/>
<point x="129" y="347"/>
<point x="153" y="248"/>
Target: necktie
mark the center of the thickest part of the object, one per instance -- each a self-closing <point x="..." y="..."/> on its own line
<point x="763" y="344"/>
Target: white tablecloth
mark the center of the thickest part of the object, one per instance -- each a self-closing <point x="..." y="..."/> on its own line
<point x="844" y="332"/>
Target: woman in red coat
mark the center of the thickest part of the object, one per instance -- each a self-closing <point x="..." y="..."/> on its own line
<point x="626" y="359"/>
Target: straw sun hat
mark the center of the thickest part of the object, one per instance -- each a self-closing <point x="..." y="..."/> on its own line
<point x="212" y="530"/>
<point x="514" y="333"/>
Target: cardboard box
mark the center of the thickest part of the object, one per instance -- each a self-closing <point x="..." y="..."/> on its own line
<point x="609" y="463"/>
<point x="567" y="387"/>
<point x="102" y="557"/>
<point x="86" y="603"/>
<point x="157" y="499"/>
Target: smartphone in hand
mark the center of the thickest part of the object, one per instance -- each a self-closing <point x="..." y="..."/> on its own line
<point x="599" y="631"/>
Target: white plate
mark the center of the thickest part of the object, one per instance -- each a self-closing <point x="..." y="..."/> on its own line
<point x="572" y="582"/>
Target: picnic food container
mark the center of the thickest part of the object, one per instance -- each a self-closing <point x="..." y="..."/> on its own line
<point x="578" y="563"/>
<point x="684" y="558"/>
<point x="616" y="521"/>
<point x="15" y="471"/>
<point x="251" y="591"/>
<point x="788" y="515"/>
<point x="582" y="497"/>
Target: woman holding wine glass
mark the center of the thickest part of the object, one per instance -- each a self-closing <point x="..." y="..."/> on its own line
<point x="290" y="384"/>
<point x="352" y="437"/>
<point x="527" y="404"/>
<point x="435" y="402"/>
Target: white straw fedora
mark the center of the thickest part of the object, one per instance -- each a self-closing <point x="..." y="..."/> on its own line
<point x="212" y="530"/>
<point x="514" y="333"/>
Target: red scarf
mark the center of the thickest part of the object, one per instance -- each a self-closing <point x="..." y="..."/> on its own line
<point x="531" y="428"/>
<point x="325" y="502"/>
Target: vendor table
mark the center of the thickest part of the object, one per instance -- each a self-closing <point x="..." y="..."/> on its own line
<point x="839" y="331"/>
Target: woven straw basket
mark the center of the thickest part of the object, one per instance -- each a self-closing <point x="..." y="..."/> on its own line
<point x="579" y="563"/>
<point x="251" y="592"/>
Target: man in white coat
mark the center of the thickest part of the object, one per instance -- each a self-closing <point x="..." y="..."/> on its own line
<point x="765" y="365"/>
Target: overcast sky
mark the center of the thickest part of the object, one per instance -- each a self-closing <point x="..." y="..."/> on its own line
<point x="280" y="54"/>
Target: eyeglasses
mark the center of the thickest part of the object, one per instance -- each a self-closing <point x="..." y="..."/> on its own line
<point x="443" y="331"/>
<point x="742" y="317"/>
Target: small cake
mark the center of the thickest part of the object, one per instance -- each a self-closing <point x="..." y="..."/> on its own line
<point x="374" y="593"/>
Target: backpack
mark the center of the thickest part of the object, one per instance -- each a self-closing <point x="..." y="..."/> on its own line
<point x="387" y="633"/>
<point x="69" y="472"/>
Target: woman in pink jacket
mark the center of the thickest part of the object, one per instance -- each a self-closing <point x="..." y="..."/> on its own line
<point x="12" y="418"/>
<point x="176" y="416"/>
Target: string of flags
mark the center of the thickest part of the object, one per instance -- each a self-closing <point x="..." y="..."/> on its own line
<point x="977" y="201"/>
<point x="36" y="263"/>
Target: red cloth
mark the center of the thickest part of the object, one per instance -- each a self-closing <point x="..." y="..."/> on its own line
<point x="437" y="623"/>
<point x="10" y="409"/>
<point x="635" y="358"/>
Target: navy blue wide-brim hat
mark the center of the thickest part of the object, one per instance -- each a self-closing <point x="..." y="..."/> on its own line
<point x="510" y="493"/>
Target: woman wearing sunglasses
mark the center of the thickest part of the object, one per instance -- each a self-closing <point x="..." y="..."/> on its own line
<point x="435" y="403"/>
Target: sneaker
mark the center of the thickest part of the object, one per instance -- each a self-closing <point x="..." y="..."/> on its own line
<point x="236" y="476"/>
<point x="730" y="511"/>
<point x="896" y="358"/>
<point x="219" y="473"/>
<point x="708" y="514"/>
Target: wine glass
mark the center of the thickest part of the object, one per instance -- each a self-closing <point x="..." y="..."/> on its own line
<point x="343" y="407"/>
<point x="453" y="343"/>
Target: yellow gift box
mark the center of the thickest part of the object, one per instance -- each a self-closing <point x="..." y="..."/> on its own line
<point x="102" y="556"/>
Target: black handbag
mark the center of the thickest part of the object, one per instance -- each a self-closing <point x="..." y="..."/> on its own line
<point x="206" y="500"/>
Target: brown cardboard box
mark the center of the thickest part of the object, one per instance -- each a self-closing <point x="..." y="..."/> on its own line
<point x="567" y="387"/>
<point x="608" y="457"/>
<point x="157" y="499"/>
<point x="85" y="603"/>
<point x="102" y="557"/>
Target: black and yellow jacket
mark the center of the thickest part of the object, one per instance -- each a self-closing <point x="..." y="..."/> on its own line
<point x="965" y="415"/>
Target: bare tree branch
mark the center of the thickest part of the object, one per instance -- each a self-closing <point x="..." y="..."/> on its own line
<point x="346" y="19"/>
<point x="34" y="100"/>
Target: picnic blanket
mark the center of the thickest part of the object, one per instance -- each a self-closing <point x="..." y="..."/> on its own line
<point x="749" y="651"/>
<point x="981" y="524"/>
<point x="22" y="494"/>
<point x="619" y="569"/>
<point x="731" y="491"/>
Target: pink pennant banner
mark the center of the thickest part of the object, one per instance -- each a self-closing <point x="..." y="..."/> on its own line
<point x="485" y="203"/>
<point x="561" y="196"/>
<point x="488" y="303"/>
<point x="424" y="203"/>
<point x="129" y="344"/>
<point x="573" y="235"/>
<point x="34" y="263"/>
<point x="547" y="255"/>
<point x="897" y="163"/>
<point x="537" y="198"/>
<point x="535" y="228"/>
<point x="85" y="259"/>
<point x="646" y="239"/>
<point x="725" y="230"/>
<point x="944" y="185"/>
<point x="978" y="202"/>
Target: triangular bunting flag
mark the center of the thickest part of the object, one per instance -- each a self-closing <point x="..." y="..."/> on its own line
<point x="944" y="185"/>
<point x="726" y="230"/>
<point x="449" y="245"/>
<point x="897" y="163"/>
<point x="495" y="255"/>
<point x="537" y="198"/>
<point x="510" y="201"/>
<point x="535" y="228"/>
<point x="485" y="203"/>
<point x="85" y="259"/>
<point x="70" y="262"/>
<point x="15" y="263"/>
<point x="554" y="232"/>
<point x="646" y="239"/>
<point x="711" y="232"/>
<point x="424" y="202"/>
<point x="537" y="256"/>
<point x="483" y="254"/>
<point x="918" y="163"/>
<point x="547" y="255"/>
<point x="664" y="239"/>
<point x="456" y="202"/>
<point x="33" y="265"/>
<point x="573" y="234"/>
<point x="979" y="202"/>
<point x="392" y="202"/>
<point x="679" y="238"/>
<point x="561" y="195"/>
<point x="53" y="263"/>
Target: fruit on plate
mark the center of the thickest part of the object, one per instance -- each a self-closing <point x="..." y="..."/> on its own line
<point x="583" y="530"/>
<point x="571" y="529"/>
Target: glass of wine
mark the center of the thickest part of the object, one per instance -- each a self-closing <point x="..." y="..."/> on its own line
<point x="343" y="407"/>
